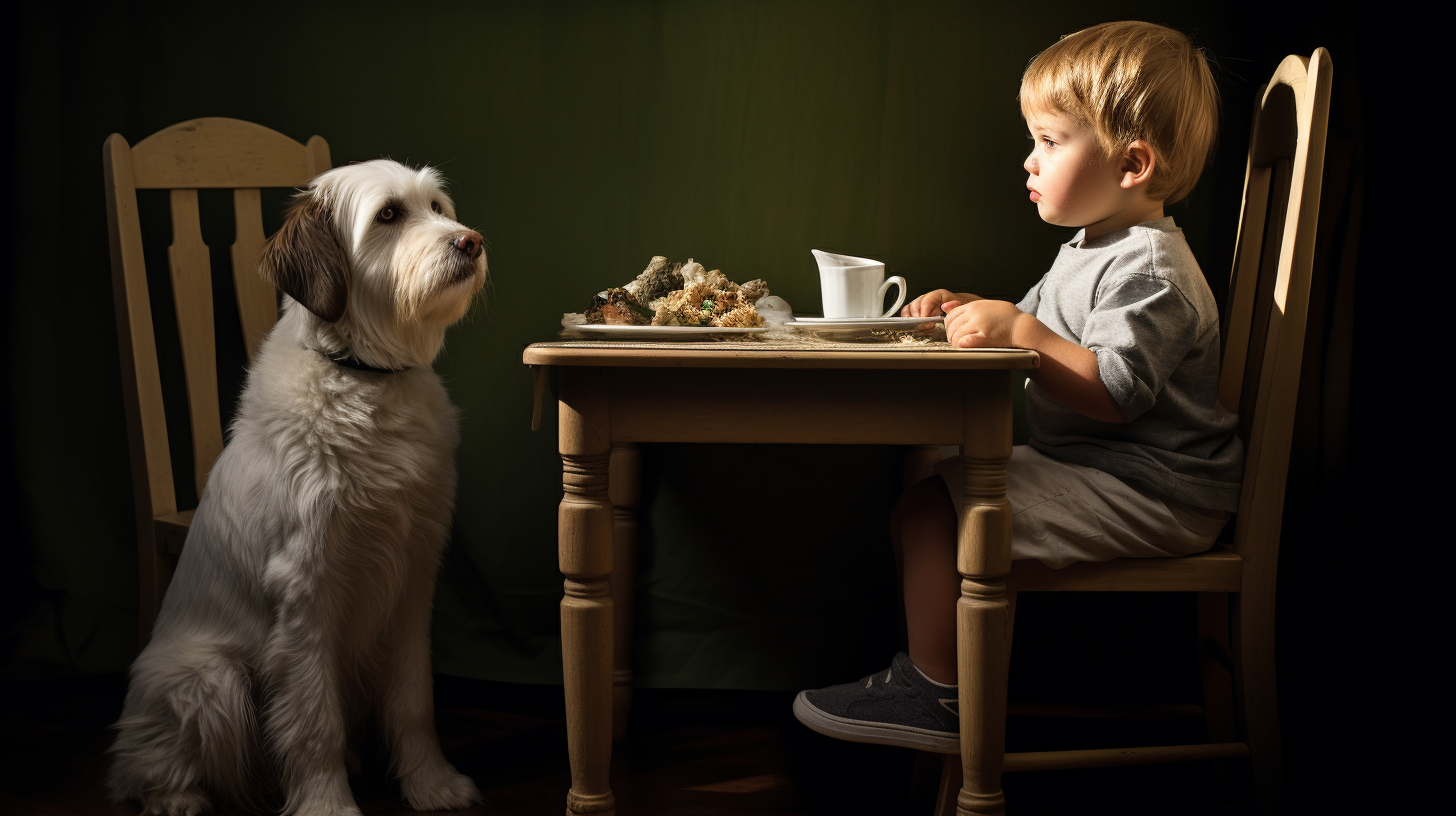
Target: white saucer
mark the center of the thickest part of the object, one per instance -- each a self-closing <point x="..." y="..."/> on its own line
<point x="859" y="321"/>
<point x="850" y="330"/>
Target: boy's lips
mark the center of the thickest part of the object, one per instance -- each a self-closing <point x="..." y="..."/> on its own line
<point x="1035" y="196"/>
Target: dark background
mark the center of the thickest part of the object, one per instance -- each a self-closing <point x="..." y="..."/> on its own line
<point x="582" y="138"/>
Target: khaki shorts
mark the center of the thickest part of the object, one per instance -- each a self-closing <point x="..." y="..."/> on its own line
<point x="1062" y="513"/>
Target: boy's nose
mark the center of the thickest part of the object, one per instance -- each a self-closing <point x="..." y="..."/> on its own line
<point x="1030" y="164"/>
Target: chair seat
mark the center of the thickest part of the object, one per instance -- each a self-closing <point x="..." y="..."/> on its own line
<point x="172" y="531"/>
<point x="1217" y="570"/>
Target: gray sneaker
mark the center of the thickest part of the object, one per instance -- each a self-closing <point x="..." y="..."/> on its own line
<point x="899" y="706"/>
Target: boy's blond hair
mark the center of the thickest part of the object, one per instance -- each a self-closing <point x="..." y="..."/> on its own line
<point x="1131" y="81"/>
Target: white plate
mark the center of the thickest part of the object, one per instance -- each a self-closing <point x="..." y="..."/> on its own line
<point x="619" y="332"/>
<point x="860" y="321"/>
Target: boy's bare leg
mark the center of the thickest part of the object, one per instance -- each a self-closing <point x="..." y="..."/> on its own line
<point x="926" y="533"/>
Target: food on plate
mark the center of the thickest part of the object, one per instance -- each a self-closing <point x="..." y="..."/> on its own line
<point x="660" y="277"/>
<point x="616" y="307"/>
<point x="672" y="293"/>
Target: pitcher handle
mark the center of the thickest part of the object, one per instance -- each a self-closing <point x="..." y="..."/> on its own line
<point x="899" y="301"/>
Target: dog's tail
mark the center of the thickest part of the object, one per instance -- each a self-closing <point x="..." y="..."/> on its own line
<point x="188" y="729"/>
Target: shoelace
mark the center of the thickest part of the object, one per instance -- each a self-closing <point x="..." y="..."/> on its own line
<point x="875" y="684"/>
<point x="870" y="681"/>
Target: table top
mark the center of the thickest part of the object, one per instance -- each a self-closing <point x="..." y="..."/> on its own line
<point x="774" y="354"/>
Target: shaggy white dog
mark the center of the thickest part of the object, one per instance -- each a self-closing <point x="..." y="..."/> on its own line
<point x="300" y="608"/>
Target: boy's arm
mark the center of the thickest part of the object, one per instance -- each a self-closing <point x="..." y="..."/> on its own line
<point x="1068" y="371"/>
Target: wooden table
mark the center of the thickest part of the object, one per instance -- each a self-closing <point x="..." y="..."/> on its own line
<point x="614" y="396"/>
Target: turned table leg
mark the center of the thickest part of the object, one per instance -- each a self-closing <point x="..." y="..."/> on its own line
<point x="983" y="615"/>
<point x="584" y="524"/>
<point x="625" y="491"/>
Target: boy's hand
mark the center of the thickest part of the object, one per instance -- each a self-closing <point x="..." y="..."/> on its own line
<point x="983" y="323"/>
<point x="931" y="304"/>
<point x="1068" y="372"/>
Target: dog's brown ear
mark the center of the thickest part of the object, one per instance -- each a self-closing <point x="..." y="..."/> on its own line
<point x="305" y="260"/>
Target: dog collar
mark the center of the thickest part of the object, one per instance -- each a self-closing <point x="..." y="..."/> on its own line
<point x="350" y="361"/>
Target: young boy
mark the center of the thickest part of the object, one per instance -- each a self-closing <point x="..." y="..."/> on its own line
<point x="1131" y="455"/>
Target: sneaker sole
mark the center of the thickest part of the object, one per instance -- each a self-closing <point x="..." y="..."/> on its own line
<point x="844" y="728"/>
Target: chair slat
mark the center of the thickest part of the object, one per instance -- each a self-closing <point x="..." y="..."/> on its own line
<point x="1239" y="308"/>
<point x="192" y="292"/>
<point x="257" y="300"/>
<point x="1263" y="282"/>
<point x="218" y="152"/>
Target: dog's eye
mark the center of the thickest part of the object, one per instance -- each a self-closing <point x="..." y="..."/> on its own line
<point x="435" y="205"/>
<point x="388" y="214"/>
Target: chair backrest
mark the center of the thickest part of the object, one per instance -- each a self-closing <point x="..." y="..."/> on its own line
<point x="1268" y="297"/>
<point x="199" y="154"/>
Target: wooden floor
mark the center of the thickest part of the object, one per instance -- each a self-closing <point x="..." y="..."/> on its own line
<point x="691" y="752"/>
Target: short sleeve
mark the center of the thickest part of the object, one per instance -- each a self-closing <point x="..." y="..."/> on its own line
<point x="1032" y="298"/>
<point x="1140" y="329"/>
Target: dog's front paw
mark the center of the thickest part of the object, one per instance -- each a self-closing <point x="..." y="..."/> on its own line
<point x="190" y="802"/>
<point x="440" y="787"/>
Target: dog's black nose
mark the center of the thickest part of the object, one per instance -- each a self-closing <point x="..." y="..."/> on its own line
<point x="470" y="243"/>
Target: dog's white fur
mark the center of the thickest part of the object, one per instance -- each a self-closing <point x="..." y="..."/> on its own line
<point x="301" y="604"/>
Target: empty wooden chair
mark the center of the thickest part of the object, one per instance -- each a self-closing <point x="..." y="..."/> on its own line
<point x="186" y="157"/>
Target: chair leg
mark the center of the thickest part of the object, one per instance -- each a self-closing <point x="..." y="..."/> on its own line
<point x="1254" y="679"/>
<point x="951" y="779"/>
<point x="624" y="488"/>
<point x="1215" y="666"/>
<point x="155" y="569"/>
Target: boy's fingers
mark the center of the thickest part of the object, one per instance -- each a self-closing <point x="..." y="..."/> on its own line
<point x="922" y="307"/>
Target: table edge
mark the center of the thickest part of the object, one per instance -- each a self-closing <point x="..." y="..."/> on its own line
<point x="546" y="355"/>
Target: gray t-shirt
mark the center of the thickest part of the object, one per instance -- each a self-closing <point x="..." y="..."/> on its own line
<point x="1137" y="298"/>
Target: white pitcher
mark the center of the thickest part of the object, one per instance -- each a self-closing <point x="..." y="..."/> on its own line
<point x="855" y="287"/>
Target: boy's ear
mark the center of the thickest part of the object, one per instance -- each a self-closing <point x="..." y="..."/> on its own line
<point x="1138" y="161"/>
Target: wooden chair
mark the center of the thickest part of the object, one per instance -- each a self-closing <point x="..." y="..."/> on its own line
<point x="1263" y="336"/>
<point x="186" y="157"/>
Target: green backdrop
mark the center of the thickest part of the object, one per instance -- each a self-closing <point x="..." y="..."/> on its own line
<point x="581" y="139"/>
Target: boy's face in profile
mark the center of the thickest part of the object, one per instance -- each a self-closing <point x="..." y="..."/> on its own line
<point x="1071" y="181"/>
